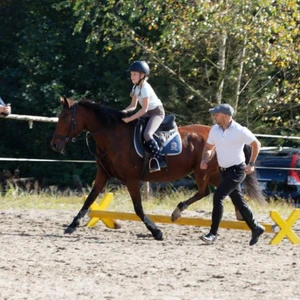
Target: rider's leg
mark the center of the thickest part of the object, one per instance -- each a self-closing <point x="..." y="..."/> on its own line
<point x="154" y="122"/>
<point x="157" y="162"/>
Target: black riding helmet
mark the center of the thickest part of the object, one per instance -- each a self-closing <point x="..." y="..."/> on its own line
<point x="140" y="66"/>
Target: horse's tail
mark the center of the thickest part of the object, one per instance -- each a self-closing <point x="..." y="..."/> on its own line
<point x="252" y="188"/>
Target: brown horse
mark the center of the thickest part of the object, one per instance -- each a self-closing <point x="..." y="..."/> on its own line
<point x="116" y="157"/>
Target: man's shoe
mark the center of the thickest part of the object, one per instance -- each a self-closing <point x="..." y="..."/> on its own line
<point x="256" y="234"/>
<point x="208" y="238"/>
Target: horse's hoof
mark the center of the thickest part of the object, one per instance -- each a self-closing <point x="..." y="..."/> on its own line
<point x="176" y="215"/>
<point x="158" y="236"/>
<point x="69" y="230"/>
<point x="117" y="225"/>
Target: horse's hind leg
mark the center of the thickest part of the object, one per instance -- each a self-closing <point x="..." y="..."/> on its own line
<point x="181" y="206"/>
<point x="134" y="190"/>
<point x="99" y="184"/>
<point x="202" y="180"/>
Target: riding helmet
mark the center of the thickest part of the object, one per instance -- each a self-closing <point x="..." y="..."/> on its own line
<point x="140" y="66"/>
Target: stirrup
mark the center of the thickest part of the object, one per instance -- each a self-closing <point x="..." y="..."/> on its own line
<point x="153" y="165"/>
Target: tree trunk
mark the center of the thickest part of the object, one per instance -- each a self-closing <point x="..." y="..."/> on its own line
<point x="240" y="73"/>
<point x="222" y="61"/>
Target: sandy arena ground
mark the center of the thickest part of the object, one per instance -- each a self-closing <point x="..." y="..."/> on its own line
<point x="37" y="261"/>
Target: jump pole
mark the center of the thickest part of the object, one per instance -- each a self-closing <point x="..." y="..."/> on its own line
<point x="281" y="228"/>
<point x="187" y="221"/>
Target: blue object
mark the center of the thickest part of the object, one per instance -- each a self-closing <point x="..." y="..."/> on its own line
<point x="172" y="145"/>
<point x="2" y="102"/>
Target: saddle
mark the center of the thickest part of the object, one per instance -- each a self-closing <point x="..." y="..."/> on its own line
<point x="167" y="137"/>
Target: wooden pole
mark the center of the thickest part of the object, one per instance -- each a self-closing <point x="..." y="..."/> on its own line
<point x="126" y="216"/>
<point x="30" y="118"/>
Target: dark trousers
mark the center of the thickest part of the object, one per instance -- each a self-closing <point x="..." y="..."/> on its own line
<point x="231" y="186"/>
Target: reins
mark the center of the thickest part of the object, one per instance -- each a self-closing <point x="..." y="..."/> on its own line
<point x="98" y="158"/>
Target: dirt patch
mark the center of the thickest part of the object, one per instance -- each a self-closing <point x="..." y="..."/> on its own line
<point x="37" y="261"/>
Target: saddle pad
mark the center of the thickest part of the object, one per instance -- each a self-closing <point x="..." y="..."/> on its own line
<point x="171" y="144"/>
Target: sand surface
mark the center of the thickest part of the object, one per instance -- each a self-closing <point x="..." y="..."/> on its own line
<point x="38" y="261"/>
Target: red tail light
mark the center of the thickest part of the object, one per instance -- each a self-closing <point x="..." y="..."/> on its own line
<point x="294" y="173"/>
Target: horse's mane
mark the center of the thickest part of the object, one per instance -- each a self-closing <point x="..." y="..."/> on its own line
<point x="108" y="116"/>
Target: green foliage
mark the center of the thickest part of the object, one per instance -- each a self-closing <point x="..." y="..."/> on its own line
<point x="183" y="40"/>
<point x="18" y="199"/>
<point x="200" y="53"/>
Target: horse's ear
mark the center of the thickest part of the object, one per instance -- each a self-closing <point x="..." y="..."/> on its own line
<point x="64" y="101"/>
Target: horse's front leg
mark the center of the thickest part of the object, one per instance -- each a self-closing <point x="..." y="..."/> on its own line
<point x="100" y="181"/>
<point x="135" y="193"/>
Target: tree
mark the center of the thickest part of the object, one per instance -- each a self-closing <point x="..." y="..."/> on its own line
<point x="200" y="53"/>
<point x="213" y="51"/>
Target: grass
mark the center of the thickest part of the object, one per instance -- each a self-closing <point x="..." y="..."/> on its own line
<point x="162" y="201"/>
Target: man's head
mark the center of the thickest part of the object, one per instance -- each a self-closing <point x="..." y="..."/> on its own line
<point x="225" y="109"/>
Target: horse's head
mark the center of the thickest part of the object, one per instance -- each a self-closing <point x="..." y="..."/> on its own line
<point x="84" y="115"/>
<point x="66" y="127"/>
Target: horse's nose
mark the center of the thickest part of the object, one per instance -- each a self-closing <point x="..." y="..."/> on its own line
<point x="58" y="147"/>
<point x="55" y="146"/>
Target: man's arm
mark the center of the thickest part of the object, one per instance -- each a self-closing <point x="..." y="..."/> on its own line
<point x="255" y="148"/>
<point x="207" y="154"/>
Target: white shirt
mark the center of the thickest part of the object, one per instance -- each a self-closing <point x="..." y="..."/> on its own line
<point x="230" y="143"/>
<point x="147" y="92"/>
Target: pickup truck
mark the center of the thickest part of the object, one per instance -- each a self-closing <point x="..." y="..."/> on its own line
<point x="278" y="172"/>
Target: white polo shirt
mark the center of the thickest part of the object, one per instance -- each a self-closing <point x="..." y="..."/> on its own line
<point x="147" y="92"/>
<point x="230" y="143"/>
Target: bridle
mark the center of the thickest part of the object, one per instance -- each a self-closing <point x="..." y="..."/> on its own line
<point x="67" y="138"/>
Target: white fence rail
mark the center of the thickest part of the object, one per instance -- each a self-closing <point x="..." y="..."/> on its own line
<point x="46" y="160"/>
<point x="278" y="136"/>
<point x="32" y="119"/>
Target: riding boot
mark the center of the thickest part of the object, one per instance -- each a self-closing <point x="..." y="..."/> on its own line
<point x="257" y="229"/>
<point x="156" y="162"/>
